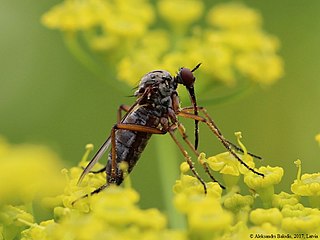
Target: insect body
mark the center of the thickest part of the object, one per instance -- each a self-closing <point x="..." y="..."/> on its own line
<point x="155" y="112"/>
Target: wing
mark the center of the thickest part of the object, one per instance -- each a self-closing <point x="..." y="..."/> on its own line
<point x="95" y="158"/>
<point x="106" y="144"/>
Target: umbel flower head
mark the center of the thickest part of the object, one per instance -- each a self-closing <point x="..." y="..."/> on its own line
<point x="136" y="36"/>
<point x="114" y="213"/>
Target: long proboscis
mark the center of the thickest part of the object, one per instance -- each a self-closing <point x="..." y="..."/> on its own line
<point x="195" y="107"/>
<point x="195" y="110"/>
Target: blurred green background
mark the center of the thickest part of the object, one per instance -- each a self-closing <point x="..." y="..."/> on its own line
<point x="48" y="97"/>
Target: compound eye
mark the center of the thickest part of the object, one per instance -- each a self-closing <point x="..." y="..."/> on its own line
<point x="187" y="77"/>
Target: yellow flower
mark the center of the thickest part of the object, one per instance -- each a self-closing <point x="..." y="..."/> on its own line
<point x="189" y="191"/>
<point x="307" y="185"/>
<point x="73" y="15"/>
<point x="207" y="221"/>
<point x="38" y="231"/>
<point x="317" y="137"/>
<point x="283" y="198"/>
<point x="28" y="172"/>
<point x="12" y="215"/>
<point x="232" y="46"/>
<point x="298" y="210"/>
<point x="272" y="176"/>
<point x="233" y="16"/>
<point x="265" y="228"/>
<point x="113" y="214"/>
<point x="298" y="218"/>
<point x="271" y="215"/>
<point x="261" y="68"/>
<point x="126" y="18"/>
<point x="240" y="205"/>
<point x="236" y="202"/>
<point x="226" y="163"/>
<point x="180" y="13"/>
<point x="119" y="17"/>
<point x="264" y="186"/>
<point x="307" y="224"/>
<point x="135" y="63"/>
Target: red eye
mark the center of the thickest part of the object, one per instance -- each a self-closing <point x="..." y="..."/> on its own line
<point x="187" y="77"/>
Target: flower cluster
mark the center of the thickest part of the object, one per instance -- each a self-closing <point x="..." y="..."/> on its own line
<point x="29" y="173"/>
<point x="114" y="212"/>
<point x="234" y="215"/>
<point x="135" y="36"/>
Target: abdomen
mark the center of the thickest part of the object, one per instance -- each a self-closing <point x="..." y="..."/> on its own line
<point x="130" y="144"/>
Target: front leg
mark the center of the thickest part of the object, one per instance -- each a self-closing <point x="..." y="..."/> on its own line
<point x="185" y="112"/>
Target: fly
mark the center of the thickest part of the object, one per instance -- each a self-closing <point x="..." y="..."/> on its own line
<point x="156" y="111"/>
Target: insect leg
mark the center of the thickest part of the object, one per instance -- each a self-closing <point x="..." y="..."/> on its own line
<point x="188" y="160"/>
<point x="212" y="126"/>
<point x="131" y="127"/>
<point x="238" y="149"/>
<point x="98" y="171"/>
<point x="121" y="108"/>
<point x="182" y="131"/>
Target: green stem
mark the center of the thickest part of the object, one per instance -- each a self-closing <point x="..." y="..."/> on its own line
<point x="266" y="195"/>
<point x="314" y="201"/>
<point x="78" y="52"/>
<point x="101" y="72"/>
<point x="168" y="168"/>
<point x="231" y="95"/>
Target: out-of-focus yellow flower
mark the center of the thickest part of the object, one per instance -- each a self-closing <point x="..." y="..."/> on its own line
<point x="14" y="215"/>
<point x="113" y="214"/>
<point x="134" y="64"/>
<point x="73" y="15"/>
<point x="265" y="228"/>
<point x="298" y="210"/>
<point x="203" y="219"/>
<point x="192" y="186"/>
<point x="234" y="16"/>
<point x="240" y="205"/>
<point x="271" y="215"/>
<point x="117" y="17"/>
<point x="28" y="172"/>
<point x="253" y="65"/>
<point x="231" y="45"/>
<point x="236" y="202"/>
<point x="180" y="13"/>
<point x="253" y="51"/>
<point x="38" y="231"/>
<point x="206" y="221"/>
<point x="308" y="224"/>
<point x="189" y="192"/>
<point x="317" y="138"/>
<point x="297" y="218"/>
<point x="283" y="198"/>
